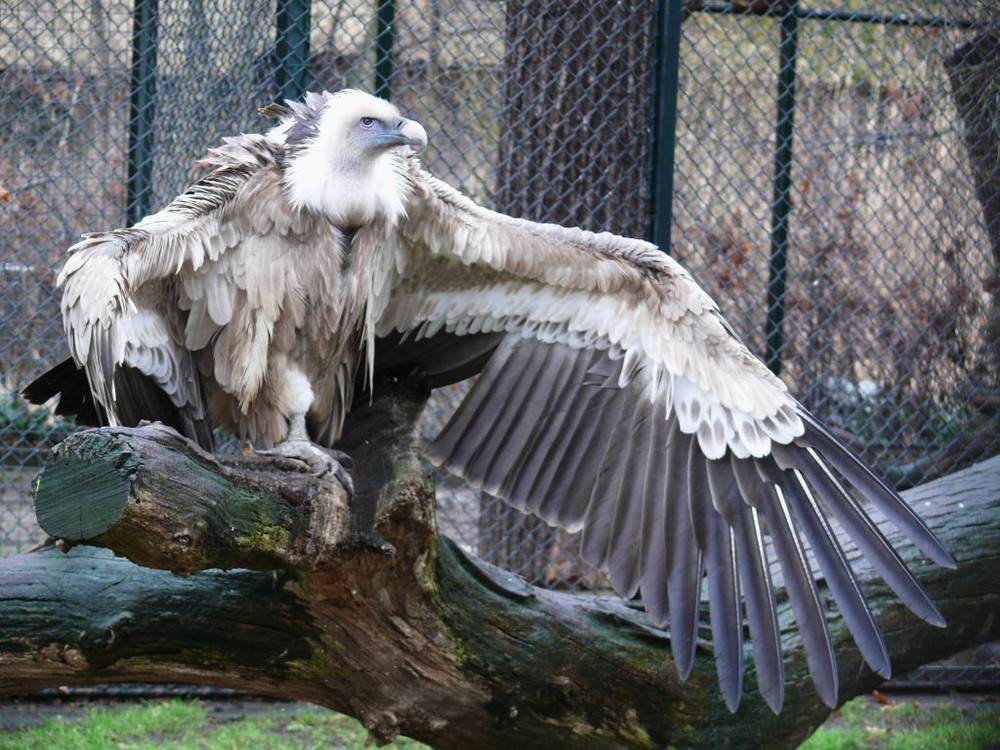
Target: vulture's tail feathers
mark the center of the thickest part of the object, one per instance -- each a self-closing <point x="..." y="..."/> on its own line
<point x="444" y="358"/>
<point x="69" y="383"/>
<point x="138" y="399"/>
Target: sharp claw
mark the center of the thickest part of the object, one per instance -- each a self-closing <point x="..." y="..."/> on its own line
<point x="342" y="458"/>
<point x="343" y="476"/>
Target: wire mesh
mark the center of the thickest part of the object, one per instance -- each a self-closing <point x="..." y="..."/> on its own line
<point x="890" y="272"/>
<point x="542" y="108"/>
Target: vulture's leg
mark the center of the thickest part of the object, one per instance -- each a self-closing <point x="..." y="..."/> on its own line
<point x="294" y="389"/>
<point x="321" y="461"/>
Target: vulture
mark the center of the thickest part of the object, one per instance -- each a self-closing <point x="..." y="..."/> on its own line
<point x="612" y="396"/>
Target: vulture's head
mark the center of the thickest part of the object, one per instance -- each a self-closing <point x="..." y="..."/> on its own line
<point x="344" y="156"/>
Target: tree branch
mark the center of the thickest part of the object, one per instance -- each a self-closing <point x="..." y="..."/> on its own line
<point x="427" y="642"/>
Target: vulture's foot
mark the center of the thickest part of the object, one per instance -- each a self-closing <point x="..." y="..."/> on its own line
<point x="314" y="459"/>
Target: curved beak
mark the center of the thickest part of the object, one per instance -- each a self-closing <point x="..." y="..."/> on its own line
<point x="402" y="132"/>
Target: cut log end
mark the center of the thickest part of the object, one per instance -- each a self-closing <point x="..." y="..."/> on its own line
<point x="86" y="485"/>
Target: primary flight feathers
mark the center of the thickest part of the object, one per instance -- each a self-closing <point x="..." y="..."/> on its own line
<point x="612" y="396"/>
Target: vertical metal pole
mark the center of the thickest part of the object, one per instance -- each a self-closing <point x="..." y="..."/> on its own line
<point x="291" y="48"/>
<point x="385" y="41"/>
<point x="781" y="206"/>
<point x="666" y="65"/>
<point x="142" y="110"/>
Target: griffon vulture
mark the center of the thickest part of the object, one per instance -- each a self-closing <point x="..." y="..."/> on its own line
<point x="613" y="398"/>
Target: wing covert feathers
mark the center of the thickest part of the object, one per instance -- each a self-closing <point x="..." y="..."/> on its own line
<point x="121" y="314"/>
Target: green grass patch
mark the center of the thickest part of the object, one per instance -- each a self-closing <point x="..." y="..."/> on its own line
<point x="188" y="725"/>
<point x="864" y="725"/>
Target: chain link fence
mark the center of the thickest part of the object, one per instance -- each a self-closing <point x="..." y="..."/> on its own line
<point x="828" y="173"/>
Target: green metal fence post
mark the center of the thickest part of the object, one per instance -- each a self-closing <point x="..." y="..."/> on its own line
<point x="669" y="14"/>
<point x="385" y="40"/>
<point x="291" y="48"/>
<point x="781" y="205"/>
<point x="142" y="110"/>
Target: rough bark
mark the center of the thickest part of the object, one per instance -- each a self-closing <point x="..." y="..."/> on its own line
<point x="276" y="596"/>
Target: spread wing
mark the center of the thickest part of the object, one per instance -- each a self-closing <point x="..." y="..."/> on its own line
<point x="619" y="402"/>
<point x="138" y="303"/>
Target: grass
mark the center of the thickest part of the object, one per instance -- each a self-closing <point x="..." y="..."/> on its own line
<point x="864" y="725"/>
<point x="188" y="725"/>
<point x="177" y="724"/>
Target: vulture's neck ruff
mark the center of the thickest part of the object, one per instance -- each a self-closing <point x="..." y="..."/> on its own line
<point x="344" y="158"/>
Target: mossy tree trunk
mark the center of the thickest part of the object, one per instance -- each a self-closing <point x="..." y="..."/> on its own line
<point x="239" y="575"/>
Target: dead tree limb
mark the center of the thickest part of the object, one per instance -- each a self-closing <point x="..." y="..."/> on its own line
<point x="275" y="595"/>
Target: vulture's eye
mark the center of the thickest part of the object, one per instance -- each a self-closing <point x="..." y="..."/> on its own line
<point x="367" y="122"/>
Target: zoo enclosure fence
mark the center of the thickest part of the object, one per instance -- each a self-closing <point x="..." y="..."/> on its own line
<point x="819" y="169"/>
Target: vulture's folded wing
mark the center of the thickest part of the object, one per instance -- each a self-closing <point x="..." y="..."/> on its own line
<point x="138" y="302"/>
<point x="620" y="403"/>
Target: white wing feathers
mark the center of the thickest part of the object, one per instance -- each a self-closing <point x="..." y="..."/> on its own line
<point x="587" y="290"/>
<point x="620" y="403"/>
<point x="96" y="299"/>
